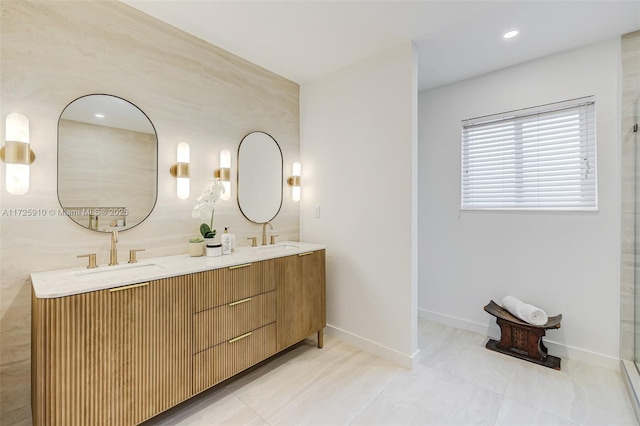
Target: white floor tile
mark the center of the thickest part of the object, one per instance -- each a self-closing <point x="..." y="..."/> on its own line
<point x="471" y="362"/>
<point x="584" y="395"/>
<point x="513" y="413"/>
<point x="458" y="382"/>
<point x="330" y="386"/>
<point x="425" y="396"/>
<point x="214" y="407"/>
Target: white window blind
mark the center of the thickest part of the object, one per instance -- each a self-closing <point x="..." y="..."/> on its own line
<point x="541" y="158"/>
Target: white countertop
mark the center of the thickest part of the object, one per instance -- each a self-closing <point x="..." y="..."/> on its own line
<point x="67" y="282"/>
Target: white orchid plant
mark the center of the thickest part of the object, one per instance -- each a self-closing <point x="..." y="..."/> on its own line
<point x="205" y="207"/>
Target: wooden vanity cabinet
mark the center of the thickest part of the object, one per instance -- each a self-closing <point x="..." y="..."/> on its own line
<point x="123" y="355"/>
<point x="301" y="297"/>
<point x="112" y="357"/>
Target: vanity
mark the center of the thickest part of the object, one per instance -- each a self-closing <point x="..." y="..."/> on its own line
<point x="120" y="344"/>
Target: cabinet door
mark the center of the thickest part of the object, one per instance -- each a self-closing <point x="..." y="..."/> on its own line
<point x="150" y="348"/>
<point x="112" y="357"/>
<point x="313" y="290"/>
<point x="290" y="298"/>
<point x="70" y="360"/>
<point x="301" y="297"/>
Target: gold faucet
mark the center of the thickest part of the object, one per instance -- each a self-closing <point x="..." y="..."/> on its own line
<point x="264" y="232"/>
<point x="92" y="260"/>
<point x="113" y="253"/>
<point x="132" y="255"/>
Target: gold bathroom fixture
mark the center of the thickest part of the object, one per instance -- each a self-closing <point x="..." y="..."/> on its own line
<point x="132" y="255"/>
<point x="244" y="336"/>
<point x="180" y="171"/>
<point x="294" y="181"/>
<point x="244" y="265"/>
<point x="264" y="232"/>
<point x="224" y="173"/>
<point x="113" y="253"/>
<point x="17" y="154"/>
<point x="127" y="287"/>
<point x="92" y="260"/>
<point x="254" y="241"/>
<point x="239" y="302"/>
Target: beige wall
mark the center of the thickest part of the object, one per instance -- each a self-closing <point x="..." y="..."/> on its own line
<point x="630" y="92"/>
<point x="54" y="52"/>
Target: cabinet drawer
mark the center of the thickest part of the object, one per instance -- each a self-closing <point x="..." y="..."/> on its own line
<point x="220" y="324"/>
<point x="222" y="286"/>
<point x="223" y="361"/>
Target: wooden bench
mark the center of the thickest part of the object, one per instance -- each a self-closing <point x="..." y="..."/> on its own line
<point x="521" y="339"/>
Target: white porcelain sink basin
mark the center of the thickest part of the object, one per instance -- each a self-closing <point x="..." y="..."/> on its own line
<point x="118" y="271"/>
<point x="274" y="247"/>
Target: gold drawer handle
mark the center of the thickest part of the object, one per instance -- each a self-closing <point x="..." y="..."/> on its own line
<point x="305" y="254"/>
<point x="240" y="301"/>
<point x="240" y="266"/>
<point x="127" y="287"/>
<point x="239" y="337"/>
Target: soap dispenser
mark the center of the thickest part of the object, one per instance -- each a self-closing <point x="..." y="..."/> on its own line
<point x="232" y="237"/>
<point x="226" y="242"/>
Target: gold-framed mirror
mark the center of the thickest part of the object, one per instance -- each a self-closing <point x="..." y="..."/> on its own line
<point x="107" y="163"/>
<point x="259" y="177"/>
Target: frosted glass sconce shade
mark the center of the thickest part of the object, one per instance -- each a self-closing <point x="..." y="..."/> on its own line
<point x="17" y="154"/>
<point x="224" y="173"/>
<point x="180" y="171"/>
<point x="182" y="155"/>
<point x="294" y="181"/>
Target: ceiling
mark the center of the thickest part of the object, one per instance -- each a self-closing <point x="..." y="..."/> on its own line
<point x="303" y="40"/>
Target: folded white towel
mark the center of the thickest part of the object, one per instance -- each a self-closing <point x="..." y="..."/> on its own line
<point x="524" y="311"/>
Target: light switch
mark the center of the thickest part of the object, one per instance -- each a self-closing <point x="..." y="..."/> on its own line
<point x="317" y="212"/>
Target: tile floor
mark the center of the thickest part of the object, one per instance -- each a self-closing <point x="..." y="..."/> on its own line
<point x="458" y="382"/>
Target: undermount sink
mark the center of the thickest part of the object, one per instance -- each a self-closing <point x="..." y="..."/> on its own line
<point x="116" y="271"/>
<point x="283" y="246"/>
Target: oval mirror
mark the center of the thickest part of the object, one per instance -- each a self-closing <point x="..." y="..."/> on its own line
<point x="107" y="163"/>
<point x="259" y="177"/>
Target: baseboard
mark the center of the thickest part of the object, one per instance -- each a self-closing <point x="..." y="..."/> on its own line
<point x="374" y="348"/>
<point x="555" y="348"/>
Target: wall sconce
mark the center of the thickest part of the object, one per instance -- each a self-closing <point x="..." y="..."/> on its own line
<point x="180" y="171"/>
<point x="17" y="154"/>
<point x="224" y="173"/>
<point x="294" y="181"/>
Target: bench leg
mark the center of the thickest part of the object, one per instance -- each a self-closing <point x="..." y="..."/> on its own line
<point x="522" y="340"/>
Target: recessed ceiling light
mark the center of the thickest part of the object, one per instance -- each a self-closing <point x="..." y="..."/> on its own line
<point x="98" y="115"/>
<point x="510" y="34"/>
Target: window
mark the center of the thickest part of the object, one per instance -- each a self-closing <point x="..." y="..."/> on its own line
<point x="541" y="158"/>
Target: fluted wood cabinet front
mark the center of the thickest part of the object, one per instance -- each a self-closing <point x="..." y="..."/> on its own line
<point x="226" y="359"/>
<point x="120" y="356"/>
<point x="112" y="357"/>
<point x="226" y="285"/>
<point x="301" y="297"/>
<point x="234" y="321"/>
<point x="217" y="325"/>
